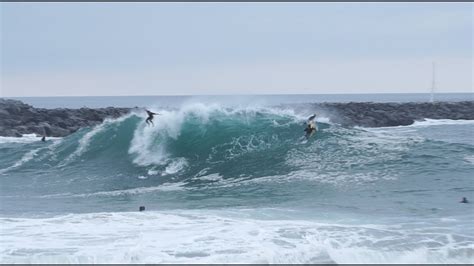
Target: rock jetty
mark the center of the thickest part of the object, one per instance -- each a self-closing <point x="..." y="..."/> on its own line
<point x="369" y="114"/>
<point x="18" y="118"/>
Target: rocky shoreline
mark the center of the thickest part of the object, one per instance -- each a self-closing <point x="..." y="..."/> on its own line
<point x="369" y="114"/>
<point x="18" y="118"/>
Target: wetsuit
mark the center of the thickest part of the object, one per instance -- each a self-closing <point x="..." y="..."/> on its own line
<point x="309" y="130"/>
<point x="150" y="117"/>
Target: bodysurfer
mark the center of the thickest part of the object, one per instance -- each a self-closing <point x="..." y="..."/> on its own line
<point x="311" y="120"/>
<point x="310" y="129"/>
<point x="311" y="126"/>
<point x="150" y="117"/>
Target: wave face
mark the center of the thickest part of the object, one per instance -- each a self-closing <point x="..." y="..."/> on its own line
<point x="252" y="170"/>
<point x="194" y="141"/>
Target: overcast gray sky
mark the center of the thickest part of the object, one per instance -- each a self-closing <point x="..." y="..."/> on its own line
<point x="66" y="49"/>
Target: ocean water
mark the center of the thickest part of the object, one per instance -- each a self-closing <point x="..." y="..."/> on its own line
<point x="237" y="183"/>
<point x="228" y="100"/>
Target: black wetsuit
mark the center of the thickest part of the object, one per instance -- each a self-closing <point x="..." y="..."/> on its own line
<point x="150" y="117"/>
<point x="309" y="129"/>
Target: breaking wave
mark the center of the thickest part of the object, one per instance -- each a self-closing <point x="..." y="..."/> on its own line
<point x="246" y="184"/>
<point x="200" y="140"/>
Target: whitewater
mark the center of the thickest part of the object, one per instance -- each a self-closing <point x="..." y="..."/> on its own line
<point x="239" y="185"/>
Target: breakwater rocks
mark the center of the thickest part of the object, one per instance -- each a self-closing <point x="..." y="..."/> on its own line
<point x="18" y="118"/>
<point x="368" y="114"/>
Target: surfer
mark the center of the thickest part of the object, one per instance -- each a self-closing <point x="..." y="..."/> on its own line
<point x="43" y="138"/>
<point x="311" y="126"/>
<point x="311" y="120"/>
<point x="464" y="200"/>
<point x="150" y="117"/>
<point x="310" y="129"/>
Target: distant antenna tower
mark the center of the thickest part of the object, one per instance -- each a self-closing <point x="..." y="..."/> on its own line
<point x="433" y="85"/>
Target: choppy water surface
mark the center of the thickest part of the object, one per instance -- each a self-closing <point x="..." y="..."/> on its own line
<point x="239" y="185"/>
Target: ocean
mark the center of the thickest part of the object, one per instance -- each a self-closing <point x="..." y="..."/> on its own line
<point x="230" y="179"/>
<point x="230" y="100"/>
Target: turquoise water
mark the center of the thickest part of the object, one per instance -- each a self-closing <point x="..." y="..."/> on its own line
<point x="239" y="184"/>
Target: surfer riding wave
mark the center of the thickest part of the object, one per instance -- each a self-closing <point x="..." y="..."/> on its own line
<point x="149" y="120"/>
<point x="311" y="126"/>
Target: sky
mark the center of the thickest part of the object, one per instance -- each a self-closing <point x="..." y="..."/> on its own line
<point x="97" y="49"/>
